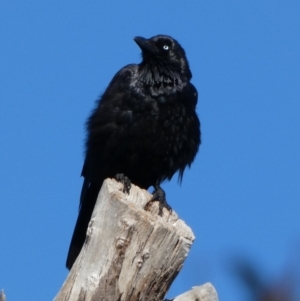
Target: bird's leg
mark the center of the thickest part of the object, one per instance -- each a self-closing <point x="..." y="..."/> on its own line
<point x="125" y="181"/>
<point x="160" y="196"/>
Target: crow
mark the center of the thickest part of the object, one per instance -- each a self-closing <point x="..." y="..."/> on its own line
<point x="143" y="130"/>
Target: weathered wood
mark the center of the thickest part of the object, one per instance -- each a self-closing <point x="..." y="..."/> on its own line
<point x="129" y="254"/>
<point x="205" y="292"/>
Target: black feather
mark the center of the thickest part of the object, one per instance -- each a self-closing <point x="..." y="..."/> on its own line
<point x="144" y="126"/>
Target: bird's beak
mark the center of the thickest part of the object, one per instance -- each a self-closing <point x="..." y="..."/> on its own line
<point x="145" y="45"/>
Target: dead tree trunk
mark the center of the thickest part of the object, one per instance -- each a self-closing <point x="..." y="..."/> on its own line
<point x="130" y="254"/>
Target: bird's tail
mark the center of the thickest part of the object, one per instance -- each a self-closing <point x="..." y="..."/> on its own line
<point x="89" y="194"/>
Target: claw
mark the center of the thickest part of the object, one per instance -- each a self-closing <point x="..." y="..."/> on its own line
<point x="160" y="196"/>
<point x="125" y="181"/>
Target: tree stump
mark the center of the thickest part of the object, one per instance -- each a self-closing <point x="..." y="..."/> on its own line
<point x="129" y="254"/>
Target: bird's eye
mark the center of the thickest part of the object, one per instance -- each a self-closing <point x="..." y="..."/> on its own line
<point x="166" y="47"/>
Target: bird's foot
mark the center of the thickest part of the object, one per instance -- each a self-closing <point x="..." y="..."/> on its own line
<point x="160" y="196"/>
<point x="125" y="181"/>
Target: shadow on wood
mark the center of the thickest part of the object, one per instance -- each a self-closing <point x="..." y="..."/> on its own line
<point x="129" y="254"/>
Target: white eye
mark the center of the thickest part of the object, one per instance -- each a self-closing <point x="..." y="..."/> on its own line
<point x="166" y="47"/>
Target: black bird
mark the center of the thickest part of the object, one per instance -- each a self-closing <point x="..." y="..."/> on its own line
<point x="144" y="128"/>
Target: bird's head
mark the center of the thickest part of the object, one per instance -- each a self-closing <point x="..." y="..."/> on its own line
<point x="166" y="50"/>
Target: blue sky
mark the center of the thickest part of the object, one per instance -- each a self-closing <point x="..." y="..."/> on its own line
<point x="242" y="195"/>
